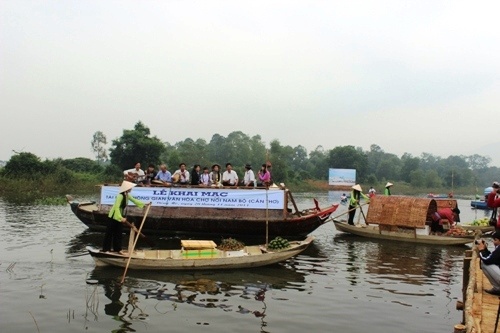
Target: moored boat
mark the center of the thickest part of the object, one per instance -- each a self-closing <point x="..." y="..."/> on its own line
<point x="404" y="219"/>
<point x="479" y="204"/>
<point x="210" y="211"/>
<point x="204" y="256"/>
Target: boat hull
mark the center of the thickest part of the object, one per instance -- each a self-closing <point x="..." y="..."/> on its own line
<point x="372" y="231"/>
<point x="210" y="221"/>
<point x="170" y="260"/>
<point x="479" y="204"/>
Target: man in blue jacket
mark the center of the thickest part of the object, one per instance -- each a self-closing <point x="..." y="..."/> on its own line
<point x="490" y="263"/>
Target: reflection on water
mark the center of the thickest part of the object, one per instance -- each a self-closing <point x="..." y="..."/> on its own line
<point x="45" y="270"/>
<point x="159" y="293"/>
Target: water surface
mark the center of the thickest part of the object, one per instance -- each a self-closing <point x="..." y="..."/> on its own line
<point x="341" y="283"/>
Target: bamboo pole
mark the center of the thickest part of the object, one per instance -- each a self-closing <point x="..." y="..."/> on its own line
<point x="135" y="242"/>
<point x="350" y="210"/>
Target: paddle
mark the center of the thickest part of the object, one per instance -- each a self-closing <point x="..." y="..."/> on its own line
<point x="135" y="242"/>
<point x="350" y="210"/>
<point x="149" y="241"/>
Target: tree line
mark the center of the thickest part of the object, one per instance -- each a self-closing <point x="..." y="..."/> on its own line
<point x="291" y="165"/>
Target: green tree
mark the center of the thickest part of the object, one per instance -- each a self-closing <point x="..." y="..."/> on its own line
<point x="136" y="146"/>
<point x="348" y="157"/>
<point x="98" y="144"/>
<point x="24" y="165"/>
<point x="410" y="164"/>
<point x="82" y="164"/>
<point x="318" y="163"/>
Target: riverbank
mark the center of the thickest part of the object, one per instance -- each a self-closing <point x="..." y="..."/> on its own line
<point x="52" y="189"/>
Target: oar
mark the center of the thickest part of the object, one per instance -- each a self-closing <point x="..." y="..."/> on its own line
<point x="149" y="241"/>
<point x="350" y="210"/>
<point x="135" y="242"/>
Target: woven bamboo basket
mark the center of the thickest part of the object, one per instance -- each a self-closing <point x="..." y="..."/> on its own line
<point x="400" y="211"/>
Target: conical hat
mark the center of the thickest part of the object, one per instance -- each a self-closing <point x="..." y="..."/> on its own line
<point x="126" y="185"/>
<point x="389" y="184"/>
<point x="357" y="188"/>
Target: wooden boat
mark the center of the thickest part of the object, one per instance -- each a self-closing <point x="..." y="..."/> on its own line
<point x="197" y="257"/>
<point x="403" y="219"/>
<point x="210" y="211"/>
<point x="482" y="228"/>
<point x="479" y="204"/>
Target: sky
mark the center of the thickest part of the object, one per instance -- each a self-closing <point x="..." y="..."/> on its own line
<point x="409" y="76"/>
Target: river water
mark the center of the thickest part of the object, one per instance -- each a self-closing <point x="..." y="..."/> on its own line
<point x="341" y="283"/>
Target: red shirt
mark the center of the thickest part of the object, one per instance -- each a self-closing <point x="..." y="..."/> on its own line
<point x="446" y="214"/>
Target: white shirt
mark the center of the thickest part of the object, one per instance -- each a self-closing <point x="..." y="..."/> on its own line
<point x="183" y="176"/>
<point x="249" y="177"/>
<point x="232" y="177"/>
<point x="140" y="173"/>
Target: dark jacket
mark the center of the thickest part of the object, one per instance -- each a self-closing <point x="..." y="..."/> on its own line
<point x="490" y="258"/>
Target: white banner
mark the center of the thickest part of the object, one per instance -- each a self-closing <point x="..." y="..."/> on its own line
<point x="201" y="197"/>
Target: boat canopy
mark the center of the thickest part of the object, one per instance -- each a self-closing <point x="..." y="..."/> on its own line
<point x="400" y="211"/>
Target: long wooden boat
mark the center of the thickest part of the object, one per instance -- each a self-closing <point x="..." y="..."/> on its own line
<point x="199" y="258"/>
<point x="403" y="219"/>
<point x="210" y="211"/>
<point x="408" y="235"/>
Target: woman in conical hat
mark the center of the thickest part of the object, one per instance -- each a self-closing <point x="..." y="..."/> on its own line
<point x="356" y="194"/>
<point x="387" y="190"/>
<point x="116" y="218"/>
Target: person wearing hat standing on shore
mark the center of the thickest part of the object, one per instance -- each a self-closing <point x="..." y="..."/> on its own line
<point x="490" y="263"/>
<point x="249" y="177"/>
<point x="493" y="202"/>
<point x="116" y="218"/>
<point x="387" y="190"/>
<point x="356" y="194"/>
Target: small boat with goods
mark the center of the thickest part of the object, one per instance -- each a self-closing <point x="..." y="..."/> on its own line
<point x="481" y="204"/>
<point x="405" y="219"/>
<point x="202" y="254"/>
<point x="210" y="211"/>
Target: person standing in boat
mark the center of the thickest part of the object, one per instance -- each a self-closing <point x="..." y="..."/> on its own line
<point x="387" y="190"/>
<point x="356" y="194"/>
<point x="249" y="178"/>
<point x="490" y="263"/>
<point x="215" y="177"/>
<point x="116" y="217"/>
<point x="229" y="177"/>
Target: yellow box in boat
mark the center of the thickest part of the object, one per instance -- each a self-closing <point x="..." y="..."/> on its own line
<point x="198" y="244"/>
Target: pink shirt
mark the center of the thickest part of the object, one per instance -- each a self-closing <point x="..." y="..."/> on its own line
<point x="264" y="177"/>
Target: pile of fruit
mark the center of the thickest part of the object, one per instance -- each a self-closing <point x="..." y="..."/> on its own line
<point x="485" y="221"/>
<point x="458" y="232"/>
<point x="230" y="244"/>
<point x="278" y="244"/>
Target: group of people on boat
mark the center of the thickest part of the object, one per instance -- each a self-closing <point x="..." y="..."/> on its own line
<point x="198" y="176"/>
